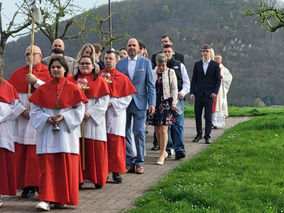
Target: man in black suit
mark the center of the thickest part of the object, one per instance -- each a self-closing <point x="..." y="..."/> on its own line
<point x="166" y="40"/>
<point x="205" y="83"/>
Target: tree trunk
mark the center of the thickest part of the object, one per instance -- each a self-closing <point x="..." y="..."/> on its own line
<point x="2" y="54"/>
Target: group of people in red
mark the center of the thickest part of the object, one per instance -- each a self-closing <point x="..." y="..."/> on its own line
<point x="40" y="132"/>
<point x="71" y="120"/>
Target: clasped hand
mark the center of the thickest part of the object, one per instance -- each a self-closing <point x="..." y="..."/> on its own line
<point x="55" y="119"/>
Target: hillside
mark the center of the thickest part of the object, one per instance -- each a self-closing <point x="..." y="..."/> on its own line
<point x="254" y="57"/>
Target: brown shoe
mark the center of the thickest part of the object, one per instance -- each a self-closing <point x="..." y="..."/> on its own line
<point x="130" y="169"/>
<point x="139" y="169"/>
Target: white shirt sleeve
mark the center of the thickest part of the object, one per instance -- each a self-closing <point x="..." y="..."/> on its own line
<point x="119" y="104"/>
<point x="185" y="79"/>
<point x="38" y="83"/>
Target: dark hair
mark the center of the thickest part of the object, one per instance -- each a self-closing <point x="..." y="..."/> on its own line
<point x="57" y="51"/>
<point x="62" y="61"/>
<point x="165" y="36"/>
<point x="206" y="46"/>
<point x="123" y="49"/>
<point x="168" y="46"/>
<point x="110" y="51"/>
<point x="142" y="44"/>
<point x="93" y="70"/>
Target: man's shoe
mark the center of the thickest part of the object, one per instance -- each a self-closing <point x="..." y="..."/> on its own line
<point x="139" y="169"/>
<point x="98" y="186"/>
<point x="179" y="155"/>
<point x="43" y="206"/>
<point x="214" y="127"/>
<point x="60" y="206"/>
<point x="197" y="138"/>
<point x="130" y="169"/>
<point x="155" y="148"/>
<point x="207" y="140"/>
<point x="116" y="178"/>
<point x="28" y="192"/>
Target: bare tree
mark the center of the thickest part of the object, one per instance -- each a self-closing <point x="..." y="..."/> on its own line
<point x="106" y="37"/>
<point x="269" y="15"/>
<point x="53" y="25"/>
<point x="11" y="30"/>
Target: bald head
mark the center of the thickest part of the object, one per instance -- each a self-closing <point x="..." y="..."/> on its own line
<point x="58" y="43"/>
<point x="132" y="47"/>
<point x="36" y="55"/>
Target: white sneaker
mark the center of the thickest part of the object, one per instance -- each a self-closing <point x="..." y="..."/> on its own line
<point x="43" y="206"/>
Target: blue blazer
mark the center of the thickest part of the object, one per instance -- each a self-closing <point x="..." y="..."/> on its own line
<point x="142" y="80"/>
<point x="202" y="84"/>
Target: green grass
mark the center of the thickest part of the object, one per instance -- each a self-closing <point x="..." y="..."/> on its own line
<point x="242" y="172"/>
<point x="239" y="111"/>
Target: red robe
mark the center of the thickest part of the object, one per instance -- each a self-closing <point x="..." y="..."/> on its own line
<point x="28" y="172"/>
<point x="8" y="184"/>
<point x="62" y="187"/>
<point x="96" y="160"/>
<point x="120" y="86"/>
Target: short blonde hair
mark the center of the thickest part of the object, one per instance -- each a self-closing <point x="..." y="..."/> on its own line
<point x="161" y="58"/>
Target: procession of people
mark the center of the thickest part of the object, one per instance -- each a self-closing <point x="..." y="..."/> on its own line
<point x="71" y="120"/>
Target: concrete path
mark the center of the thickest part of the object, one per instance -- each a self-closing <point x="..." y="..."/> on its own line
<point x="120" y="197"/>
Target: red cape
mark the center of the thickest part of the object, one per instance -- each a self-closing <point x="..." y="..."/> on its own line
<point x="8" y="93"/>
<point x="44" y="96"/>
<point x="97" y="88"/>
<point x="119" y="84"/>
<point x="18" y="78"/>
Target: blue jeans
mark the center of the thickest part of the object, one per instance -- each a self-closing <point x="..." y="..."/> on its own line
<point x="175" y="132"/>
<point x="139" y="118"/>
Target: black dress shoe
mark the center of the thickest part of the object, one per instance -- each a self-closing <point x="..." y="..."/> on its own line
<point x="28" y="192"/>
<point x="155" y="148"/>
<point x="197" y="138"/>
<point x="98" y="186"/>
<point x="207" y="141"/>
<point x="179" y="155"/>
<point x="116" y="178"/>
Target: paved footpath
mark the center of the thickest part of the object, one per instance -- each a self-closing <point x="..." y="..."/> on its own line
<point x="120" y="197"/>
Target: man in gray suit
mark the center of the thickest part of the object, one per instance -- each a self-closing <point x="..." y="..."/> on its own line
<point x="139" y="71"/>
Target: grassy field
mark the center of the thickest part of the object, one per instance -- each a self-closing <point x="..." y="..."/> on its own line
<point x="242" y="172"/>
<point x="239" y="111"/>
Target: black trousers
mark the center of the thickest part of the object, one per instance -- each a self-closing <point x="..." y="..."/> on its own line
<point x="200" y="103"/>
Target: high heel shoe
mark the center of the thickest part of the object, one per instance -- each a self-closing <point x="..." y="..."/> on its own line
<point x="161" y="162"/>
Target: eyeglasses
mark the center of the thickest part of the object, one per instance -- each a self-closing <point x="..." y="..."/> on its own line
<point x="205" y="51"/>
<point x="28" y="54"/>
<point x="85" y="63"/>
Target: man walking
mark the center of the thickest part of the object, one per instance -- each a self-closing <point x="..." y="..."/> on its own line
<point x="205" y="84"/>
<point x="175" y="131"/>
<point x="139" y="71"/>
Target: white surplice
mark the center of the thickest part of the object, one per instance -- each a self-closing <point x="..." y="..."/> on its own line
<point x="64" y="140"/>
<point x="116" y="115"/>
<point x="221" y="112"/>
<point x="95" y="125"/>
<point x="8" y="113"/>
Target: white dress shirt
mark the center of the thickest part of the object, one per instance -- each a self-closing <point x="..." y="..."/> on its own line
<point x="131" y="66"/>
<point x="205" y="66"/>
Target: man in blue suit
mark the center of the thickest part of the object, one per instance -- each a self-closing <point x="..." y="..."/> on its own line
<point x="205" y="84"/>
<point x="139" y="71"/>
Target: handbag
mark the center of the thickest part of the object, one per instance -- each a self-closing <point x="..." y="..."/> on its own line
<point x="178" y="110"/>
